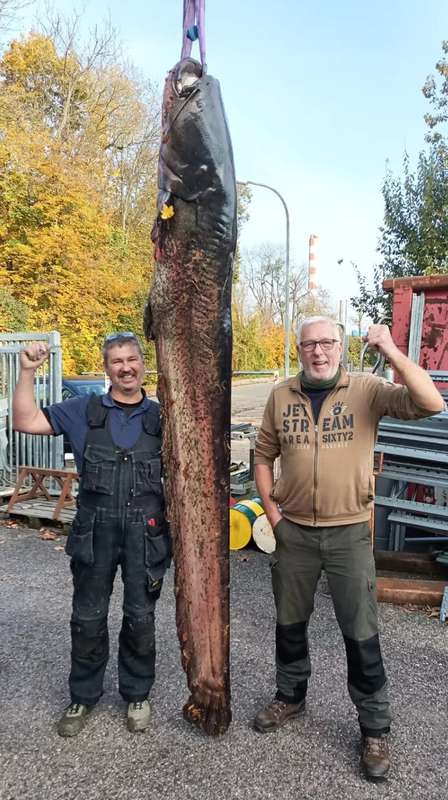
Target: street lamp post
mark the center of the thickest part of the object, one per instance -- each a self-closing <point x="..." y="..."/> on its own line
<point x="286" y="324"/>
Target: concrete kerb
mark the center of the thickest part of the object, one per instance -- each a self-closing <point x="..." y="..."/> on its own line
<point x="249" y="381"/>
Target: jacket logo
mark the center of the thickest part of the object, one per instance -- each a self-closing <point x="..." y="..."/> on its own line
<point x="337" y="408"/>
<point x="295" y="426"/>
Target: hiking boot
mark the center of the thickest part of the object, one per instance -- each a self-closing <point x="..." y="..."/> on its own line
<point x="276" y="714"/>
<point x="139" y="714"/>
<point x="375" y="758"/>
<point x="73" y="719"/>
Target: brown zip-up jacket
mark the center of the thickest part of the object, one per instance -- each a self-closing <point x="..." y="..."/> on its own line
<point x="326" y="473"/>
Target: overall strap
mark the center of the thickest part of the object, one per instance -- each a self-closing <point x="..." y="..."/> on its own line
<point x="96" y="412"/>
<point x="151" y="420"/>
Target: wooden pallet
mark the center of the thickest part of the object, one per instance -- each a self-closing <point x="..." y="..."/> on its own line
<point x="38" y="490"/>
<point x="43" y="510"/>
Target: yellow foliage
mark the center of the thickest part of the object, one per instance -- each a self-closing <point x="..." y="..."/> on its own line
<point x="273" y="343"/>
<point x="65" y="252"/>
<point x="167" y="212"/>
<point x="258" y="344"/>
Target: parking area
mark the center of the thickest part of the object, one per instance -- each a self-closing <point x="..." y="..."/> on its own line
<point x="314" y="758"/>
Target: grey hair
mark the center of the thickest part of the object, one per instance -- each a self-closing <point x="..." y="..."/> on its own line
<point x="310" y="320"/>
<point x="114" y="339"/>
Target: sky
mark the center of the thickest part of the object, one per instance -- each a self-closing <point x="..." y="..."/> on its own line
<point x="319" y="98"/>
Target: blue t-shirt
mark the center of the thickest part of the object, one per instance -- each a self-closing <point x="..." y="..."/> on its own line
<point x="70" y="418"/>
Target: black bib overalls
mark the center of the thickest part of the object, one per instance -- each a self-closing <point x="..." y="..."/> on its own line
<point x="120" y="520"/>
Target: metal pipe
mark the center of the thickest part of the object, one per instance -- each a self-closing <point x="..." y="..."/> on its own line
<point x="426" y="539"/>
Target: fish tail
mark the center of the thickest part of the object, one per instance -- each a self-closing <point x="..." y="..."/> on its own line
<point x="211" y="715"/>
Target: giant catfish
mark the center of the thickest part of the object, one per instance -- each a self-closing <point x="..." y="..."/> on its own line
<point x="189" y="315"/>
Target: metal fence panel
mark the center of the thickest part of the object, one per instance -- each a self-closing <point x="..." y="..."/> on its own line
<point x="19" y="449"/>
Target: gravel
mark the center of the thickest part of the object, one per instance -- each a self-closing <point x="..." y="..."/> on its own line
<point x="313" y="758"/>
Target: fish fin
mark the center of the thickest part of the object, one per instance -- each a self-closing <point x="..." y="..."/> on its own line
<point x="148" y="322"/>
<point x="213" y="717"/>
<point x="156" y="238"/>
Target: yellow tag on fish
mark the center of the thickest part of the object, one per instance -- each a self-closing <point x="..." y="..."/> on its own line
<point x="167" y="212"/>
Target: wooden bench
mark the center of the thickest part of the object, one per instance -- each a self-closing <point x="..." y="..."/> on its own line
<point x="63" y="477"/>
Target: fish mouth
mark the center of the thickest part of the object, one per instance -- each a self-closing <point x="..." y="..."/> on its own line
<point x="180" y="88"/>
<point x="186" y="76"/>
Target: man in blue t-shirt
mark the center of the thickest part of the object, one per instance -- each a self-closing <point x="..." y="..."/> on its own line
<point x="120" y="520"/>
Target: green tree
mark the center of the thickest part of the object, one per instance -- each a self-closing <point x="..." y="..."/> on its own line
<point x="414" y="235"/>
<point x="244" y="197"/>
<point x="13" y="313"/>
<point x="355" y="346"/>
<point x="436" y="92"/>
<point x="372" y="301"/>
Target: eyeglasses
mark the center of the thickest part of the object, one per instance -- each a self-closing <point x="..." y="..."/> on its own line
<point x="325" y="344"/>
<point x="112" y="337"/>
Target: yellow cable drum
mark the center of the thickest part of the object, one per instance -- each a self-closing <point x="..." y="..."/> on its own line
<point x="242" y="518"/>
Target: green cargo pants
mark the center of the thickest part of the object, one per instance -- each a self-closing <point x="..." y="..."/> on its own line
<point x="345" y="553"/>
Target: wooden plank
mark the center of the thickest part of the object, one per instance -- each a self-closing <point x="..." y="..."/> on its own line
<point x="378" y="463"/>
<point x="41" y="509"/>
<point x="402" y="591"/>
<point x="52" y="473"/>
<point x="419" y="563"/>
<point x="18" y="487"/>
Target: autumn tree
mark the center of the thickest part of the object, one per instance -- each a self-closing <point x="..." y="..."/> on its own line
<point x="77" y="189"/>
<point x="264" y="273"/>
<point x="259" y="309"/>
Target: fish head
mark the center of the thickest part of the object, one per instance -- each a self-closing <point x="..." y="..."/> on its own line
<point x="193" y="161"/>
<point x="181" y="82"/>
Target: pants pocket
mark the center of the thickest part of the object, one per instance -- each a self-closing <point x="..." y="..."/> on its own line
<point x="148" y="477"/>
<point x="98" y="471"/>
<point x="157" y="547"/>
<point x="80" y="539"/>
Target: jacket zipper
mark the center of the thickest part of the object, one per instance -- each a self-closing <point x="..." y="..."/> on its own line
<point x="316" y="456"/>
<point x="309" y="411"/>
<point x="316" y="451"/>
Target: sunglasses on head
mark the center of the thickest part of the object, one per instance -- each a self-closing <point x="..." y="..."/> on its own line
<point x="111" y="337"/>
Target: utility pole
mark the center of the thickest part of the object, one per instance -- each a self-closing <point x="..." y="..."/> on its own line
<point x="286" y="321"/>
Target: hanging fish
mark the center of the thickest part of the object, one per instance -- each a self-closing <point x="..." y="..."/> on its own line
<point x="189" y="315"/>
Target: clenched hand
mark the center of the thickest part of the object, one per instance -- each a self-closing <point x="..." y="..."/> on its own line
<point x="32" y="356"/>
<point x="379" y="336"/>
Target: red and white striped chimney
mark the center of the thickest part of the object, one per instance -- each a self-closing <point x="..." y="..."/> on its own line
<point x="312" y="263"/>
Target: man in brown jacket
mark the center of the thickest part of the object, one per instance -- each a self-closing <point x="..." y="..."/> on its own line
<point x="322" y="423"/>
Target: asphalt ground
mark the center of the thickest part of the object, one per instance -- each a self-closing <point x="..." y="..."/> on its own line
<point x="313" y="758"/>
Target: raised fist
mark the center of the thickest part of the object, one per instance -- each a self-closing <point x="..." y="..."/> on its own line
<point x="32" y="356"/>
<point x="379" y="336"/>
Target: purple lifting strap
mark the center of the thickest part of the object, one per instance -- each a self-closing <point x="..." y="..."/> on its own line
<point x="194" y="14"/>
